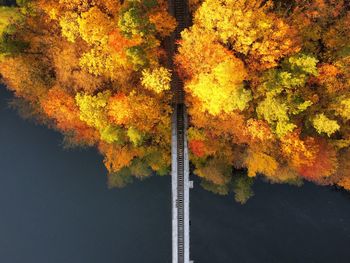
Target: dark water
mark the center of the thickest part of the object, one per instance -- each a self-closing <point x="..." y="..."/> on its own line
<point x="55" y="208"/>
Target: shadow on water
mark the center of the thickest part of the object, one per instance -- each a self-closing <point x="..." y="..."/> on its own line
<point x="280" y="223"/>
<point x="55" y="207"/>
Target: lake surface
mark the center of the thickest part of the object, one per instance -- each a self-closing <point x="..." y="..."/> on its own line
<point x="55" y="207"/>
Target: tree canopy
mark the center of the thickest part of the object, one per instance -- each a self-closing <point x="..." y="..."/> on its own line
<point x="97" y="72"/>
<point x="267" y="85"/>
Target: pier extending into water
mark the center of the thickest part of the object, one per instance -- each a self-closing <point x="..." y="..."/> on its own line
<point x="179" y="150"/>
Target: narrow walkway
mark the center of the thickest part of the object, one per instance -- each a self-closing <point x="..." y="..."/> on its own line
<point x="180" y="188"/>
<point x="179" y="149"/>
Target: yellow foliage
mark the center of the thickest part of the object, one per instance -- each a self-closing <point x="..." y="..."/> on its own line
<point x="8" y="15"/>
<point x="66" y="63"/>
<point x="94" y="26"/>
<point x="157" y="80"/>
<point x="222" y="89"/>
<point x="323" y="124"/>
<point x="92" y="109"/>
<point x="158" y="159"/>
<point x="112" y="134"/>
<point x="100" y="63"/>
<point x="69" y="26"/>
<point x="80" y="5"/>
<point x="199" y="52"/>
<point x="250" y="28"/>
<point x="258" y="162"/>
<point x="61" y="107"/>
<point x="195" y="134"/>
<point x="342" y="107"/>
<point x="135" y="136"/>
<point x="275" y="112"/>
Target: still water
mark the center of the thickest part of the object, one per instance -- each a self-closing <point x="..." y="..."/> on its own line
<point x="55" y="207"/>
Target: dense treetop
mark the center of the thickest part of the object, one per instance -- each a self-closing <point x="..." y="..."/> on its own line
<point x="96" y="71"/>
<point x="267" y="85"/>
<point x="268" y="90"/>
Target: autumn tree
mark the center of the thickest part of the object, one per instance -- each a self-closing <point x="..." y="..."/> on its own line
<point x="94" y="71"/>
<point x="266" y="82"/>
<point x="267" y="85"/>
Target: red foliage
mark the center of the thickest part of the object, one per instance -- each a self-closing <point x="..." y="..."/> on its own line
<point x="197" y="147"/>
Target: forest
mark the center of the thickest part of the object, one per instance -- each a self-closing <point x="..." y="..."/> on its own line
<point x="267" y="85"/>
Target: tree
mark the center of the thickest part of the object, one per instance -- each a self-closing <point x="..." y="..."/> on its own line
<point x="344" y="169"/>
<point x="325" y="164"/>
<point x="215" y="171"/>
<point x="299" y="151"/>
<point x="250" y="28"/>
<point x="325" y="125"/>
<point x="60" y="106"/>
<point x="266" y="82"/>
<point x="267" y="86"/>
<point x="242" y="188"/>
<point x="9" y="18"/>
<point x="222" y="90"/>
<point x="259" y="162"/>
<point x="157" y="79"/>
<point x="80" y="72"/>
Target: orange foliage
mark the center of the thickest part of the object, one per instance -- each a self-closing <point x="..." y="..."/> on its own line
<point x="23" y="75"/>
<point x="119" y="109"/>
<point x="61" y="107"/>
<point x="264" y="85"/>
<point x="327" y="71"/>
<point x="77" y="64"/>
<point x="280" y="41"/>
<point x="120" y="43"/>
<point x="297" y="151"/>
<point x="232" y="124"/>
<point x="329" y="76"/>
<point x="324" y="165"/>
<point x="68" y="72"/>
<point x="164" y="23"/>
<point x="259" y="130"/>
<point x="116" y="157"/>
